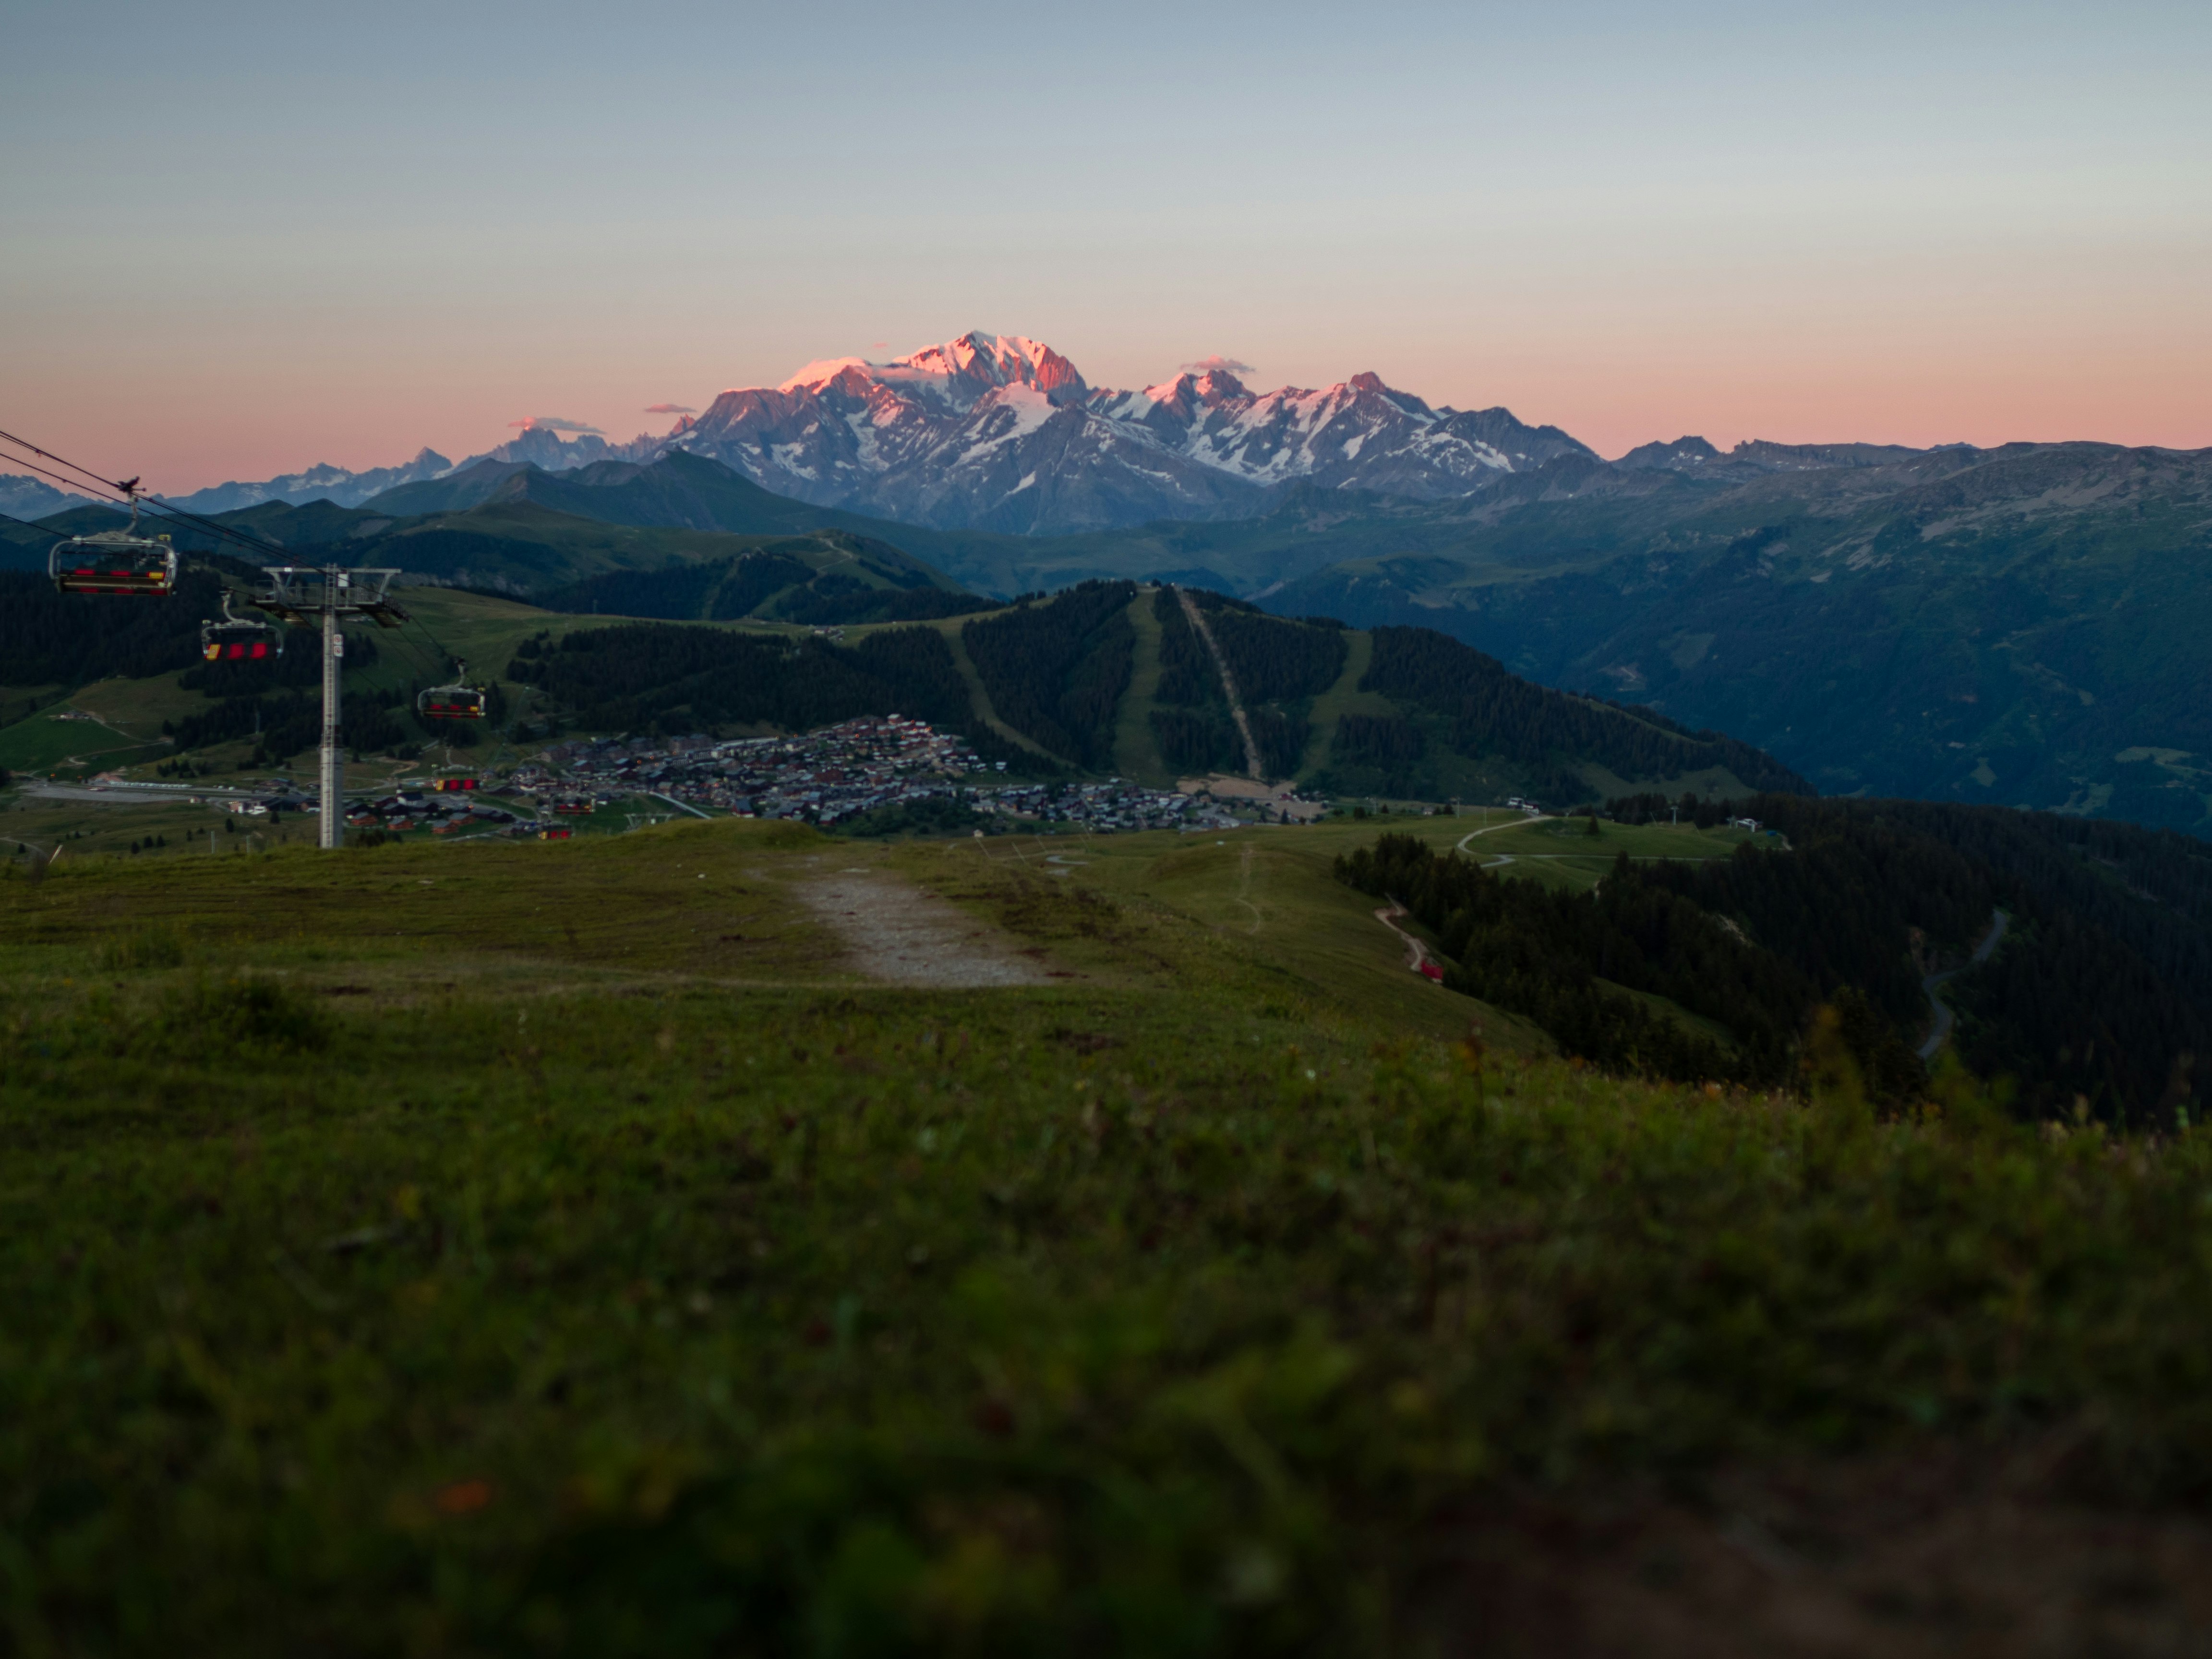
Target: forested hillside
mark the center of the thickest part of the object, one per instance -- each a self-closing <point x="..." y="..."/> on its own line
<point x="48" y="638"/>
<point x="1055" y="669"/>
<point x="1400" y="713"/>
<point x="2015" y="626"/>
<point x="651" y="678"/>
<point x="1280" y="667"/>
<point x="2099" y="995"/>
<point x="787" y="581"/>
<point x="1453" y="704"/>
<point x="2102" y="987"/>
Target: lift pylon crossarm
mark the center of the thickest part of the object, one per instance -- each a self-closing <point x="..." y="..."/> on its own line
<point x="301" y="593"/>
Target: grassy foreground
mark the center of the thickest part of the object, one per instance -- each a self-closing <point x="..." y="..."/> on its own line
<point x="586" y="1261"/>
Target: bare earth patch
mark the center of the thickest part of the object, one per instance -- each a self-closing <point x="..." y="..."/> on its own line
<point x="900" y="935"/>
<point x="1925" y="1558"/>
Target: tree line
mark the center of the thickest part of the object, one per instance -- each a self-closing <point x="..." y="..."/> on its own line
<point x="2099" y="997"/>
<point x="48" y="638"/>
<point x="1569" y="961"/>
<point x="284" y="723"/>
<point x="1280" y="667"/>
<point x="647" y="677"/>
<point x="2101" y="991"/>
<point x="1479" y="709"/>
<point x="762" y="583"/>
<point x="1056" y="671"/>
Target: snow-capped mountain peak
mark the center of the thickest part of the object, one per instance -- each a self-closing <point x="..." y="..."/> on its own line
<point x="954" y="375"/>
<point x="1000" y="431"/>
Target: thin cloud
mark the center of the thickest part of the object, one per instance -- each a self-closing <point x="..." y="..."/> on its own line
<point x="556" y="424"/>
<point x="669" y="409"/>
<point x="1220" y="364"/>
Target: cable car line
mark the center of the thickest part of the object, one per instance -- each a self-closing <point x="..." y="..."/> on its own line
<point x="161" y="510"/>
<point x="120" y="562"/>
<point x="58" y="535"/>
<point x="168" y="510"/>
<point x="47" y="455"/>
<point x="59" y="477"/>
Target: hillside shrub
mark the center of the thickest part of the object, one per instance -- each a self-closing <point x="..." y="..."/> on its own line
<point x="152" y="948"/>
<point x="240" y="1014"/>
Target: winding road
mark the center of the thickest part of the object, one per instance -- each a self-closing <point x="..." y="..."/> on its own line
<point x="1999" y="919"/>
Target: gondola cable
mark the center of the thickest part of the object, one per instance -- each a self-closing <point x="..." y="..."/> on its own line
<point x="119" y="562"/>
<point x="58" y="535"/>
<point x="154" y="506"/>
<point x="168" y="510"/>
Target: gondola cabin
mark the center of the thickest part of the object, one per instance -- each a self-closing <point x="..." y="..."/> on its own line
<point x="447" y="786"/>
<point x="258" y="647"/>
<point x="114" y="563"/>
<point x="238" y="639"/>
<point x="554" y="835"/>
<point x="450" y="702"/>
<point x="572" y="808"/>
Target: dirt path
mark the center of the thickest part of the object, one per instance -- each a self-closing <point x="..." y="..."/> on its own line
<point x="1244" y="889"/>
<point x="1228" y="684"/>
<point x="900" y="935"/>
<point x="1944" y="1017"/>
<point x="1937" y="1555"/>
<point x="1492" y="829"/>
<point x="1418" y="957"/>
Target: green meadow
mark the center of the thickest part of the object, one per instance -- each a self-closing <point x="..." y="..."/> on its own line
<point x="571" y="1249"/>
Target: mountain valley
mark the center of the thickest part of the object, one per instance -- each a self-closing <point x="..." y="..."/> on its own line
<point x="2011" y="625"/>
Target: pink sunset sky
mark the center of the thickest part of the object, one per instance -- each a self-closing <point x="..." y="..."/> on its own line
<point x="304" y="234"/>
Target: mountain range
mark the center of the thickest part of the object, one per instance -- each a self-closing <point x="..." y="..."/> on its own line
<point x="1002" y="433"/>
<point x="2016" y="624"/>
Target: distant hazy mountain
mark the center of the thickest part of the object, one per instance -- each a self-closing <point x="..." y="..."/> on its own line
<point x="25" y="497"/>
<point x="2022" y="625"/>
<point x="323" y="483"/>
<point x="545" y="448"/>
<point x="995" y="432"/>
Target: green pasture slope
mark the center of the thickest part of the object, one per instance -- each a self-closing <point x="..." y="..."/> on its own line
<point x="1430" y="737"/>
<point x="565" y="1250"/>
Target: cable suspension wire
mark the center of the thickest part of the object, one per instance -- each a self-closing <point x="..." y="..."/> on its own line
<point x="168" y="510"/>
<point x="58" y="535"/>
<point x="433" y="672"/>
<point x="153" y="506"/>
<point x="172" y="513"/>
<point x="46" y="455"/>
<point x="434" y="640"/>
<point x="181" y="515"/>
<point x="59" y="478"/>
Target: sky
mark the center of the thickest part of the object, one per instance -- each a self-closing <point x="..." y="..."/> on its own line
<point x="238" y="239"/>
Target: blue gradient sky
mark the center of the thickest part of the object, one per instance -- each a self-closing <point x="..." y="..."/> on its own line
<point x="236" y="239"/>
